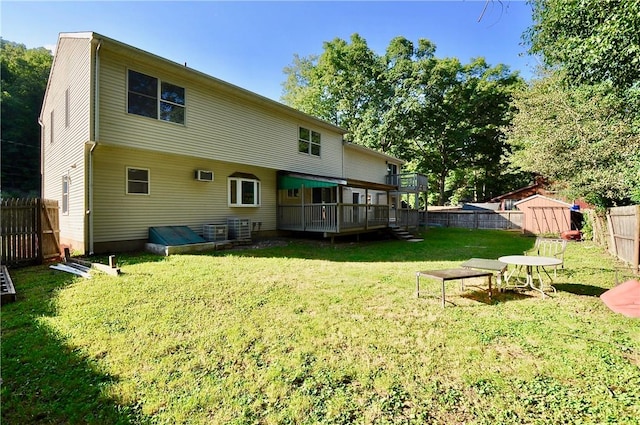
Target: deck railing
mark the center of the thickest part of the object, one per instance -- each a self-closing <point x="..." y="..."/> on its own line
<point x="332" y="218"/>
<point x="408" y="181"/>
<point x="408" y="218"/>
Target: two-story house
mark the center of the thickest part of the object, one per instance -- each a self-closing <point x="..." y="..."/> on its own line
<point x="131" y="140"/>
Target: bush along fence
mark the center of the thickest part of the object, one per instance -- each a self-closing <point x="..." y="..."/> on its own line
<point x="29" y="231"/>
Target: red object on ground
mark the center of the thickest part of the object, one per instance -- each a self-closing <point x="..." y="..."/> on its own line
<point x="624" y="298"/>
<point x="571" y="235"/>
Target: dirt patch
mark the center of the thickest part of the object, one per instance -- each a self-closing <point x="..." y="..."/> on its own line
<point x="261" y="244"/>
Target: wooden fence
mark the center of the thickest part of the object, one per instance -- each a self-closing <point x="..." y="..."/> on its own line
<point x="624" y="234"/>
<point x="29" y="231"/>
<point x="501" y="220"/>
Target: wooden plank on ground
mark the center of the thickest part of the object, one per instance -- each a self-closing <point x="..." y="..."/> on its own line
<point x="8" y="290"/>
<point x="110" y="269"/>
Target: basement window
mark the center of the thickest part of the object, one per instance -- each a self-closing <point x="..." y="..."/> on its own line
<point x="137" y="181"/>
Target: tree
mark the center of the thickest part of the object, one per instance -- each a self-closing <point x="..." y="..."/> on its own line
<point x="458" y="122"/>
<point x="593" y="40"/>
<point x="585" y="138"/>
<point x="24" y="74"/>
<point x="335" y="86"/>
<point x="579" y="125"/>
<point x="437" y="113"/>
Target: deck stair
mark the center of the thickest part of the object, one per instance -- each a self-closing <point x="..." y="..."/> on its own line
<point x="402" y="234"/>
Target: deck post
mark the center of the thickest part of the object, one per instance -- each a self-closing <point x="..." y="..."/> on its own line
<point x="366" y="209"/>
<point x="304" y="225"/>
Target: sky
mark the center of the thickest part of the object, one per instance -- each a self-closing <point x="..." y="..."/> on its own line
<point x="249" y="43"/>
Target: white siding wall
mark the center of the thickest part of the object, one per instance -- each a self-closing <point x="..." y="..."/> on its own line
<point x="175" y="198"/>
<point x="64" y="155"/>
<point x="361" y="165"/>
<point x="218" y="126"/>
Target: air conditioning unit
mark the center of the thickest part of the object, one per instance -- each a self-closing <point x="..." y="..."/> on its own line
<point x="204" y="175"/>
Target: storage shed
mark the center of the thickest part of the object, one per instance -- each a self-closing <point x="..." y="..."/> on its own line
<point x="544" y="215"/>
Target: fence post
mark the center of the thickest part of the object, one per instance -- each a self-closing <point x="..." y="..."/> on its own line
<point x="636" y="241"/>
<point x="612" y="238"/>
<point x="38" y="215"/>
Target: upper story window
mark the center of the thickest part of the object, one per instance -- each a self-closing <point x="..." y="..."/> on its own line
<point x="137" y="181"/>
<point x="150" y="97"/>
<point x="244" y="190"/>
<point x="67" y="109"/>
<point x="51" y="127"/>
<point x="308" y="141"/>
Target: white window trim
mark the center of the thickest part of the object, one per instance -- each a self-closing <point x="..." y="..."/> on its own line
<point x="65" y="183"/>
<point x="126" y="181"/>
<point x="67" y="108"/>
<point x="311" y="131"/>
<point x="239" y="180"/>
<point x="51" y="121"/>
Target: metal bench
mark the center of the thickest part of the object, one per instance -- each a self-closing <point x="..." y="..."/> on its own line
<point x="485" y="264"/>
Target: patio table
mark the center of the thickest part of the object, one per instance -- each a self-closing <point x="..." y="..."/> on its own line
<point x="530" y="262"/>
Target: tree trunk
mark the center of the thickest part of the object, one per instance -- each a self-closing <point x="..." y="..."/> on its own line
<point x="441" y="182"/>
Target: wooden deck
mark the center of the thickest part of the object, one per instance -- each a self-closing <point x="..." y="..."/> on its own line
<point x="332" y="218"/>
<point x="335" y="219"/>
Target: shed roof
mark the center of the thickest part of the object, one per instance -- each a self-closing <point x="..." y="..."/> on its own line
<point x="530" y="198"/>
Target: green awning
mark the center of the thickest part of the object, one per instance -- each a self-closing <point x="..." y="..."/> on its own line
<point x="291" y="182"/>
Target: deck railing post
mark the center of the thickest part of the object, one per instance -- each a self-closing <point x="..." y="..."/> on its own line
<point x="302" y="210"/>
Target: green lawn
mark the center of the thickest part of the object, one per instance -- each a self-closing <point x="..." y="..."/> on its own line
<point x="310" y="332"/>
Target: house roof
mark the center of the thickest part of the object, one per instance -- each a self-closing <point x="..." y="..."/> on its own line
<point x="514" y="192"/>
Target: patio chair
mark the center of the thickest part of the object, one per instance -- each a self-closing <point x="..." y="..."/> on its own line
<point x="549" y="247"/>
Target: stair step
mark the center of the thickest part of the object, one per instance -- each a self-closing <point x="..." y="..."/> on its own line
<point x="400" y="233"/>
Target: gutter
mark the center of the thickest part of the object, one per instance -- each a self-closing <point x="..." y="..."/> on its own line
<point x="41" y="124"/>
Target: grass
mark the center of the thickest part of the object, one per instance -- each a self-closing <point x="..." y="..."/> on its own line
<point x="310" y="332"/>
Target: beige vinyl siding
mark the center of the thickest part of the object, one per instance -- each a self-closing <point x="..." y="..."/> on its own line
<point x="176" y="197"/>
<point x="218" y="125"/>
<point x="363" y="165"/>
<point x="70" y="80"/>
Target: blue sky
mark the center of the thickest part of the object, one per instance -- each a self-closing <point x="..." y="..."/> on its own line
<point x="249" y="43"/>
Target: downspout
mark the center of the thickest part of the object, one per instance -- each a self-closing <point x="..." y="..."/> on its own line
<point x="41" y="156"/>
<point x="94" y="143"/>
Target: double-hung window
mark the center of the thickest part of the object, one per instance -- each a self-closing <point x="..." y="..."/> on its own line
<point x="244" y="190"/>
<point x="308" y="141"/>
<point x="65" y="194"/>
<point x="137" y="181"/>
<point x="153" y="98"/>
